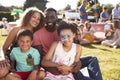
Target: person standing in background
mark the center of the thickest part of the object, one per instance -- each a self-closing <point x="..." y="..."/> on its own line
<point x="82" y="11"/>
<point x="104" y="16"/>
<point x="116" y="13"/>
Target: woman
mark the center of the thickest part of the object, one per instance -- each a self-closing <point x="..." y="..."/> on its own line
<point x="32" y="19"/>
<point x="114" y="41"/>
<point x="104" y="14"/>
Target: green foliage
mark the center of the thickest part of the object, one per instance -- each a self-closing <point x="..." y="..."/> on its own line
<point x="38" y="3"/>
<point x="79" y="3"/>
<point x="68" y="7"/>
<point x="7" y="15"/>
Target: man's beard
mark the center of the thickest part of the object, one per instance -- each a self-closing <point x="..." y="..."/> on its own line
<point x="50" y="26"/>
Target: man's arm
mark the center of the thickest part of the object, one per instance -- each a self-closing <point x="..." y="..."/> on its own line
<point x="53" y="70"/>
<point x="76" y="67"/>
<point x="40" y="49"/>
<point x="47" y="64"/>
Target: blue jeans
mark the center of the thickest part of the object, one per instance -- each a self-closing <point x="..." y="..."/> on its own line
<point x="93" y="69"/>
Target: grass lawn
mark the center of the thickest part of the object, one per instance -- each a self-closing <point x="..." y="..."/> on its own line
<point x="2" y="38"/>
<point x="108" y="59"/>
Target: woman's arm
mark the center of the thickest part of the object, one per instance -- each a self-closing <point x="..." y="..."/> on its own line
<point x="11" y="37"/>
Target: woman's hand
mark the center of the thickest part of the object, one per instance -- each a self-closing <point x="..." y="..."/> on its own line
<point x="4" y="63"/>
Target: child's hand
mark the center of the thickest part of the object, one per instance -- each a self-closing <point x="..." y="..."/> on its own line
<point x="65" y="72"/>
<point x="64" y="69"/>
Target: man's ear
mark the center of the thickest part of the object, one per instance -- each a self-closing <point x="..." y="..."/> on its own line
<point x="56" y="18"/>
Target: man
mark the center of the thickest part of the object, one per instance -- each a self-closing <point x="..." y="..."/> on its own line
<point x="116" y="13"/>
<point x="82" y="11"/>
<point x="44" y="37"/>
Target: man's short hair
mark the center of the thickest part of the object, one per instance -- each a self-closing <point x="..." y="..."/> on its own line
<point x="50" y="9"/>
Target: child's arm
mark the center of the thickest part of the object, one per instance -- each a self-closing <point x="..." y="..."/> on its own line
<point x="77" y="63"/>
<point x="75" y="67"/>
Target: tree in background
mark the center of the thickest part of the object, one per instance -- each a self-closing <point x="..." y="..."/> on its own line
<point x="68" y="7"/>
<point x="41" y="4"/>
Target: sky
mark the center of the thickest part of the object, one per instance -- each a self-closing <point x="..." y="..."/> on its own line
<point x="57" y="4"/>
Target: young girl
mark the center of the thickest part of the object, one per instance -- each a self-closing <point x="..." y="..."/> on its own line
<point x="88" y="34"/>
<point x="25" y="59"/>
<point x="64" y="54"/>
<point x="114" y="41"/>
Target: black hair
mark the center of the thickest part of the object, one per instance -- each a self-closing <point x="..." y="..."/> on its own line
<point x="25" y="32"/>
<point x="50" y="9"/>
<point x="64" y="25"/>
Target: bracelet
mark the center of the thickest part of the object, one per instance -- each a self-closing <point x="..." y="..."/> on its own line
<point x="42" y="69"/>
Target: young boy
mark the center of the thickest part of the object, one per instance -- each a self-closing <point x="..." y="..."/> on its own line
<point x="25" y="59"/>
<point x="64" y="54"/>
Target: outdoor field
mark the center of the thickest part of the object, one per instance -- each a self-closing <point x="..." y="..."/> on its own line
<point x="108" y="59"/>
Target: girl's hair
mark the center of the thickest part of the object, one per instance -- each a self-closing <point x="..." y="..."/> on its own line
<point x="116" y="24"/>
<point x="25" y="32"/>
<point x="28" y="14"/>
<point x="86" y="24"/>
<point x="64" y="25"/>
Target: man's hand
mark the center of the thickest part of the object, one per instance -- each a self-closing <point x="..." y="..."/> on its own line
<point x="53" y="70"/>
<point x="76" y="67"/>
